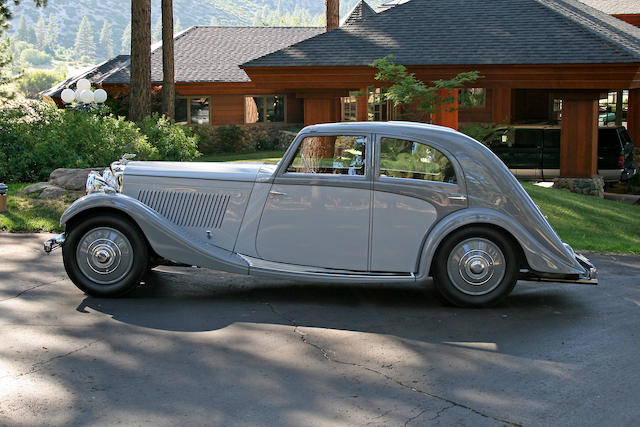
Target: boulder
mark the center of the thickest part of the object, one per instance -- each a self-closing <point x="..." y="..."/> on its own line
<point x="52" y="192"/>
<point x="71" y="179"/>
<point x="36" y="188"/>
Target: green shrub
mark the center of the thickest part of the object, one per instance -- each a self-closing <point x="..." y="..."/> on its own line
<point x="35" y="57"/>
<point x="171" y="142"/>
<point x="35" y="143"/>
<point x="33" y="82"/>
<point x="222" y="139"/>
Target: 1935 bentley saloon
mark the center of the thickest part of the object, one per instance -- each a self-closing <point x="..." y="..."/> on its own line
<point x="349" y="202"/>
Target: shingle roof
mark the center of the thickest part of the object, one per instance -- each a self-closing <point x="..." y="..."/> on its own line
<point x="110" y="70"/>
<point x="214" y="54"/>
<point x="615" y="7"/>
<point x="456" y="32"/>
<point x="360" y="11"/>
<point x="201" y="54"/>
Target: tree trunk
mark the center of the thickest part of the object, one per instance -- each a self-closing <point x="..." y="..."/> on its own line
<point x="168" y="73"/>
<point x="140" y="85"/>
<point x="332" y="11"/>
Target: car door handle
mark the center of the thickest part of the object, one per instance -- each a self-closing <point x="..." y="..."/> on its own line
<point x="457" y="197"/>
<point x="277" y="193"/>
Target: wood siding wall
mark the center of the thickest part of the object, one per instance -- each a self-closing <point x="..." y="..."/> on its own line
<point x="631" y="18"/>
<point x="579" y="136"/>
<point x="227" y="110"/>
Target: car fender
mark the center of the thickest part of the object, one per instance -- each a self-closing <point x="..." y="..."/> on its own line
<point x="165" y="238"/>
<point x="538" y="257"/>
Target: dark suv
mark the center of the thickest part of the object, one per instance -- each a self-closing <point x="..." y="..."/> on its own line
<point x="533" y="151"/>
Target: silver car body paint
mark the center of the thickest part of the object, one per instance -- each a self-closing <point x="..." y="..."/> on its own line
<point x="248" y="236"/>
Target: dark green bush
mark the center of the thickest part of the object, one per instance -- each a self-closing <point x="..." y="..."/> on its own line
<point x="32" y="147"/>
<point x="171" y="141"/>
<point x="35" y="57"/>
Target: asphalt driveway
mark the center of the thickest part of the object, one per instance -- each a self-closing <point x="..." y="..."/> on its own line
<point x="203" y="347"/>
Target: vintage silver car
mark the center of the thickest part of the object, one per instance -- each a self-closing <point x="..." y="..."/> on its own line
<point x="349" y="202"/>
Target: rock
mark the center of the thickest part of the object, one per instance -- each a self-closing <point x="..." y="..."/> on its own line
<point x="36" y="188"/>
<point x="593" y="186"/>
<point x="71" y="179"/>
<point x="52" y="192"/>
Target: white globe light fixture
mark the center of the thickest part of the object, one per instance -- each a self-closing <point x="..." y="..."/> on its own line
<point x="68" y="95"/>
<point x="78" y="92"/>
<point x="86" y="96"/>
<point x="100" y="96"/>
<point x="83" y="84"/>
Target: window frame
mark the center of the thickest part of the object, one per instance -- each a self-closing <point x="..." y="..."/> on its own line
<point x="244" y="108"/>
<point x="391" y="109"/>
<point x="331" y="179"/>
<point x="188" y="99"/>
<point x="459" y="185"/>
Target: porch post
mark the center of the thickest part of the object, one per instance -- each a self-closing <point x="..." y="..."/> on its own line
<point x="501" y="105"/>
<point x="363" y="104"/>
<point x="633" y="116"/>
<point x="447" y="114"/>
<point x="579" y="134"/>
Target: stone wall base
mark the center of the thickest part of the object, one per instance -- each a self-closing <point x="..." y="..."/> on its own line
<point x="593" y="186"/>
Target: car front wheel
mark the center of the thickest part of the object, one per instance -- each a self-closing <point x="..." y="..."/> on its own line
<point x="476" y="267"/>
<point x="105" y="256"/>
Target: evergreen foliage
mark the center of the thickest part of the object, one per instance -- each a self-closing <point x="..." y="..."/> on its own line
<point x="105" y="42"/>
<point x="25" y="32"/>
<point x="125" y="44"/>
<point x="41" y="34"/>
<point x="53" y="31"/>
<point x="85" y="43"/>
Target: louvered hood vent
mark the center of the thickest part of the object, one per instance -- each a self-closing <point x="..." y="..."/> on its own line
<point x="188" y="209"/>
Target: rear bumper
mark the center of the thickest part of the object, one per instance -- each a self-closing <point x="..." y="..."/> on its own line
<point x="589" y="277"/>
<point x="628" y="173"/>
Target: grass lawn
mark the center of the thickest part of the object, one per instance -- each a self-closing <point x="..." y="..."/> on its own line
<point x="586" y="223"/>
<point x="25" y="212"/>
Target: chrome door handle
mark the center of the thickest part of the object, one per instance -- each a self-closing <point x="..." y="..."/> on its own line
<point x="457" y="197"/>
<point x="277" y="193"/>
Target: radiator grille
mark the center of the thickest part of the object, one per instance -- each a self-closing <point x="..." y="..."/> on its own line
<point x="188" y="209"/>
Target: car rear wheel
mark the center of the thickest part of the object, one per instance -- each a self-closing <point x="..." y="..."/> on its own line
<point x="105" y="256"/>
<point x="476" y="267"/>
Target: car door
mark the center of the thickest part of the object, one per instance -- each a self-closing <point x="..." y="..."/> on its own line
<point x="318" y="210"/>
<point x="415" y="184"/>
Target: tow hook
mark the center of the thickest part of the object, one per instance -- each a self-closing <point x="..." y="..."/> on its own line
<point x="54" y="243"/>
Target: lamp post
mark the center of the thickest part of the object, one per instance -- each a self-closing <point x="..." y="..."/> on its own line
<point x="83" y="96"/>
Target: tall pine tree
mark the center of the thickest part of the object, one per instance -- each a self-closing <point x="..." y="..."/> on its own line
<point x="125" y="44"/>
<point x="53" y="31"/>
<point x="105" y="43"/>
<point x="85" y="44"/>
<point x="25" y="31"/>
<point x="41" y="34"/>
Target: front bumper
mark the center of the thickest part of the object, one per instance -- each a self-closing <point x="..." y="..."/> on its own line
<point x="54" y="243"/>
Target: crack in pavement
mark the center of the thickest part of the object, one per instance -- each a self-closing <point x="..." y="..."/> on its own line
<point x="440" y="412"/>
<point x="19" y="294"/>
<point x="326" y="355"/>
<point x="406" y="423"/>
<point x="38" y="366"/>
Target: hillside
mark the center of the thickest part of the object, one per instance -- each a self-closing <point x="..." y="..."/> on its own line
<point x="69" y="14"/>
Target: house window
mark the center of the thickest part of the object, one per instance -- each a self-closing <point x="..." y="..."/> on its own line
<point x="349" y="108"/>
<point x="264" y="109"/>
<point x="475" y="97"/>
<point x="556" y="114"/>
<point x="378" y="108"/>
<point x="193" y="110"/>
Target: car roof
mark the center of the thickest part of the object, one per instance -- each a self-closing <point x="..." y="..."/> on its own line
<point x="374" y="127"/>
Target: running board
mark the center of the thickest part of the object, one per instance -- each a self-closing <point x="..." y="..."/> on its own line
<point x="304" y="272"/>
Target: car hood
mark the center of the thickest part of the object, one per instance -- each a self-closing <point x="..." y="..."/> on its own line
<point x="199" y="170"/>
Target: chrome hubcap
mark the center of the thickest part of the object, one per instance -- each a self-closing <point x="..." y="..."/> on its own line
<point x="104" y="255"/>
<point x="476" y="266"/>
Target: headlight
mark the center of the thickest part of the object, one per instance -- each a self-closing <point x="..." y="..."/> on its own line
<point x="101" y="184"/>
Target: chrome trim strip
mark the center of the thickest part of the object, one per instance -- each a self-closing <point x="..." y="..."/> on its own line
<point x="257" y="265"/>
<point x="54" y="243"/>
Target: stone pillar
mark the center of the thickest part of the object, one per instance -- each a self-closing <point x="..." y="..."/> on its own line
<point x="579" y="134"/>
<point x="447" y="114"/>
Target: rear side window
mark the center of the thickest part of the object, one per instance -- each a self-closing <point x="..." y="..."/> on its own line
<point x="608" y="139"/>
<point x="400" y="158"/>
<point x="330" y="155"/>
<point x="624" y="135"/>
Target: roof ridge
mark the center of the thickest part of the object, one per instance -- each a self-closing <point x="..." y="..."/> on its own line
<point x="618" y="33"/>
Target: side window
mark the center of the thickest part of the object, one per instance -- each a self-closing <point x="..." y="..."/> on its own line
<point x="528" y="138"/>
<point x="330" y="155"/>
<point x="401" y="158"/>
